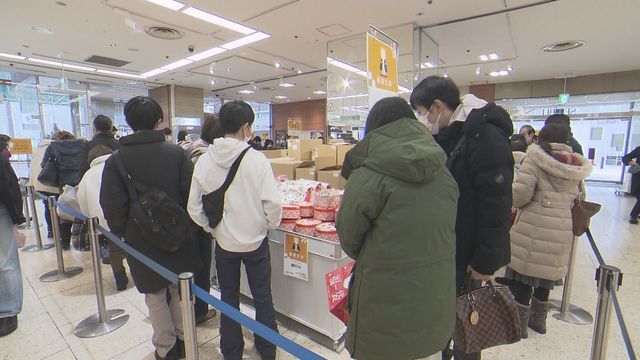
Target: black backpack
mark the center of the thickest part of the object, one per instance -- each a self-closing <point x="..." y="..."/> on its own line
<point x="160" y="220"/>
<point x="213" y="202"/>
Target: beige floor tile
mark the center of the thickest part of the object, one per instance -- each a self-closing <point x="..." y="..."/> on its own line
<point x="62" y="355"/>
<point x="133" y="333"/>
<point x="144" y="350"/>
<point x="35" y="338"/>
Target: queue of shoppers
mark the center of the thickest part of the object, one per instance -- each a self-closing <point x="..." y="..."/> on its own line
<point x="426" y="215"/>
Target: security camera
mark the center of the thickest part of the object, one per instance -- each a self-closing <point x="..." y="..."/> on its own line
<point x="191" y="48"/>
<point x="429" y="2"/>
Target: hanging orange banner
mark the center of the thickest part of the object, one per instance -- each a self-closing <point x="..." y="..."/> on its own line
<point x="382" y="64"/>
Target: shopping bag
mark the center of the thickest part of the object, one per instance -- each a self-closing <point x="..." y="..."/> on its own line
<point x="20" y="238"/>
<point x="337" y="289"/>
<point x="68" y="197"/>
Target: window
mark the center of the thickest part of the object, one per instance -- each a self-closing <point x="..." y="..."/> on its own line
<point x="617" y="141"/>
<point x="596" y="133"/>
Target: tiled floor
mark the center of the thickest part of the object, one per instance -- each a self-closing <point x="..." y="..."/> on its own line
<point x="52" y="310"/>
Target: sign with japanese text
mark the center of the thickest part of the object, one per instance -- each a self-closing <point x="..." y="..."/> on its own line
<point x="21" y="147"/>
<point x="296" y="257"/>
<point x="382" y="64"/>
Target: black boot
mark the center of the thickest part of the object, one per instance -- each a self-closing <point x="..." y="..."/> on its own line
<point x="121" y="280"/>
<point x="8" y="325"/>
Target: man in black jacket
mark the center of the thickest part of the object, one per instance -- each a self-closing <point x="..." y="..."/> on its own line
<point x="150" y="160"/>
<point x="475" y="136"/>
<point x="10" y="215"/>
<point x="103" y="129"/>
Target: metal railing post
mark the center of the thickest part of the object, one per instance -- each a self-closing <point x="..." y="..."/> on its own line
<point x="32" y="202"/>
<point x="61" y="273"/>
<point x="187" y="301"/>
<point x="608" y="278"/>
<point x="103" y="322"/>
<point x="27" y="213"/>
<point x="570" y="313"/>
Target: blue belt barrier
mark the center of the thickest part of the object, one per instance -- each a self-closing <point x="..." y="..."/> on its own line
<point x="258" y="328"/>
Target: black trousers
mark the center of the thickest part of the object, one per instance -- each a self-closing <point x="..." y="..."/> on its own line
<point x="635" y="212"/>
<point x="523" y="292"/>
<point x="203" y="278"/>
<point x="258" y="266"/>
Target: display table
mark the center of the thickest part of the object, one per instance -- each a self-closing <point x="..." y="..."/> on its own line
<point x="305" y="302"/>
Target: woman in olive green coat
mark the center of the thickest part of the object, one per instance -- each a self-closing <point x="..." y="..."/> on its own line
<point x="397" y="219"/>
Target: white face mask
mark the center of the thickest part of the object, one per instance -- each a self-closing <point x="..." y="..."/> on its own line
<point x="435" y="127"/>
<point x="423" y="119"/>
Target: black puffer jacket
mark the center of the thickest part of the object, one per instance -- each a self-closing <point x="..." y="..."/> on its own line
<point x="635" y="178"/>
<point x="103" y="139"/>
<point x="10" y="195"/>
<point x="151" y="160"/>
<point x="71" y="160"/>
<point x="483" y="169"/>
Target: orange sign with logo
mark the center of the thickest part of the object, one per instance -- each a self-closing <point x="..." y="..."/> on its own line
<point x="21" y="147"/>
<point x="294" y="125"/>
<point x="382" y="63"/>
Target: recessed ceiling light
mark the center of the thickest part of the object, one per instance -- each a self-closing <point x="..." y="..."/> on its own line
<point x="213" y="82"/>
<point x="217" y="20"/>
<point x="246" y="91"/>
<point x="319" y="92"/>
<point x="207" y="54"/>
<point x="176" y="64"/>
<point x="494" y="56"/>
<point x="280" y="97"/>
<point x="478" y="70"/>
<point x="45" y="62"/>
<point x="132" y="83"/>
<point x="483" y="57"/>
<point x="509" y="68"/>
<point x="563" y="46"/>
<point x="346" y="83"/>
<point x="153" y="72"/>
<point x="169" y="4"/>
<point x="346" y="66"/>
<point x="299" y="71"/>
<point x="119" y="73"/>
<point x="287" y="85"/>
<point x="113" y="45"/>
<point x="427" y="65"/>
<point x="11" y="56"/>
<point x="446" y="74"/>
<point x="277" y="65"/>
<point x="228" y="69"/>
<point x="245" y="40"/>
<point x="499" y="73"/>
<point x="78" y="67"/>
<point x="308" y="97"/>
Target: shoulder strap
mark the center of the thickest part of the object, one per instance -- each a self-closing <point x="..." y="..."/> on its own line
<point x="132" y="185"/>
<point x="234" y="169"/>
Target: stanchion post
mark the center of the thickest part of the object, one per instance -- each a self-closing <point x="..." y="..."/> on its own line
<point x="608" y="278"/>
<point x="61" y="273"/>
<point x="187" y="300"/>
<point x="27" y="213"/>
<point x="32" y="203"/>
<point x="103" y="322"/>
<point x="568" y="312"/>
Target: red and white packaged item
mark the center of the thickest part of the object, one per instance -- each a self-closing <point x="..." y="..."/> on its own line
<point x="324" y="214"/>
<point x="327" y="231"/>
<point x="288" y="225"/>
<point x="291" y="212"/>
<point x="306" y="210"/>
<point x="337" y="288"/>
<point x="307" y="226"/>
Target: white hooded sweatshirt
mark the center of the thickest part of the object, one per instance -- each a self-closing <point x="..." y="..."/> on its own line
<point x="253" y="203"/>
<point x="89" y="190"/>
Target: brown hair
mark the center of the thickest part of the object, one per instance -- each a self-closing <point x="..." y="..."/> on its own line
<point x="63" y="135"/>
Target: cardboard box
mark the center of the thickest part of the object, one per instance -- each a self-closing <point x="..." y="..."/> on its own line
<point x="324" y="151"/>
<point x="301" y="149"/>
<point x="333" y="178"/>
<point x="322" y="163"/>
<point x="287" y="167"/>
<point x="306" y="173"/>
<point x="342" y="153"/>
<point x="274" y="154"/>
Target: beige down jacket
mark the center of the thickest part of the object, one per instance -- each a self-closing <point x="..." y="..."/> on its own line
<point x="544" y="192"/>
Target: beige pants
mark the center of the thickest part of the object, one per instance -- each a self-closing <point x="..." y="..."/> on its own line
<point x="166" y="318"/>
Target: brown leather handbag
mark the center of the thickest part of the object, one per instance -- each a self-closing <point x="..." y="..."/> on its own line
<point x="486" y="317"/>
<point x="581" y="214"/>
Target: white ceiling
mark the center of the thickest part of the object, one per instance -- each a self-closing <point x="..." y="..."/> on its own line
<point x="301" y="30"/>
